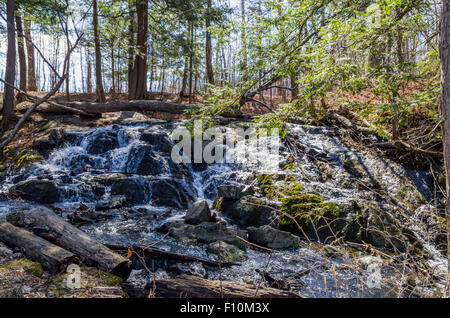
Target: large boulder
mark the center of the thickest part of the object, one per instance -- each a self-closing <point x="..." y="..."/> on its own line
<point x="198" y="213"/>
<point x="172" y="193"/>
<point x="102" y="142"/>
<point x="206" y="232"/>
<point x="134" y="190"/>
<point x="251" y="211"/>
<point x="41" y="191"/>
<point x="269" y="237"/>
<point x="143" y="160"/>
<point x="233" y="191"/>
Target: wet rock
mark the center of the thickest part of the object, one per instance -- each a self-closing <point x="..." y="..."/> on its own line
<point x="195" y="269"/>
<point x="198" y="213"/>
<point x="228" y="252"/>
<point x="160" y="140"/>
<point x="134" y="190"/>
<point x="113" y="202"/>
<point x="102" y="142"/>
<point x="206" y="232"/>
<point x="251" y="211"/>
<point x="233" y="191"/>
<point x="269" y="237"/>
<point x="142" y="160"/>
<point x="41" y="191"/>
<point x="172" y="193"/>
<point x="382" y="229"/>
<point x="47" y="143"/>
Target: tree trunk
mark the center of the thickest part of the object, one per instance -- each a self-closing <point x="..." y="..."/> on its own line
<point x="186" y="286"/>
<point x="209" y="67"/>
<point x="88" y="77"/>
<point x="52" y="258"/>
<point x="21" y="53"/>
<point x="30" y="56"/>
<point x="98" y="58"/>
<point x="138" y="87"/>
<point x="244" y="43"/>
<point x="10" y="72"/>
<point x="64" y="234"/>
<point x="130" y="44"/>
<point x="445" y="111"/>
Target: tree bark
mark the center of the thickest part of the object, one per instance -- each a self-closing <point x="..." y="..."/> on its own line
<point x="31" y="84"/>
<point x="138" y="87"/>
<point x="445" y="112"/>
<point x="52" y="258"/>
<point x="209" y="67"/>
<point x="64" y="234"/>
<point x="21" y="53"/>
<point x="98" y="58"/>
<point x="130" y="44"/>
<point x="10" y="72"/>
<point x="186" y="286"/>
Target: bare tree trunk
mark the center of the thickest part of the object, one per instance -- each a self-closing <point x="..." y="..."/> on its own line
<point x="244" y="43"/>
<point x="445" y="110"/>
<point x="30" y="56"/>
<point x="98" y="58"/>
<point x="130" y="43"/>
<point x="138" y="87"/>
<point x="209" y="67"/>
<point x="88" y="77"/>
<point x="21" y="53"/>
<point x="10" y="73"/>
<point x="191" y="59"/>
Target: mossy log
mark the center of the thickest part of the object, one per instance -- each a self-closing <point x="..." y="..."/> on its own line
<point x="186" y="286"/>
<point x="53" y="258"/>
<point x="47" y="224"/>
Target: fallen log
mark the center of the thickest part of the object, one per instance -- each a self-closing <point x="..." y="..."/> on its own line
<point x="133" y="105"/>
<point x="186" y="286"/>
<point x="152" y="252"/>
<point x="52" y="258"/>
<point x="58" y="231"/>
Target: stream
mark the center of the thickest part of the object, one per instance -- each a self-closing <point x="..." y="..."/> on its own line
<point x="126" y="174"/>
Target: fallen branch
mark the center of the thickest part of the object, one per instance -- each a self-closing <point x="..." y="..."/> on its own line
<point x="157" y="253"/>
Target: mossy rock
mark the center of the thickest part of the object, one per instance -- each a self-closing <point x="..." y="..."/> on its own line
<point x="228" y="252"/>
<point x="354" y="167"/>
<point x="31" y="268"/>
<point x="309" y="211"/>
<point x="275" y="185"/>
<point x="91" y="279"/>
<point x="326" y="172"/>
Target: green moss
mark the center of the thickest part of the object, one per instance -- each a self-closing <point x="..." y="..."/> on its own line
<point x="295" y="189"/>
<point x="217" y="204"/>
<point x="90" y="277"/>
<point x="25" y="158"/>
<point x="306" y="210"/>
<point x="28" y="266"/>
<point x="325" y="171"/>
<point x="354" y="167"/>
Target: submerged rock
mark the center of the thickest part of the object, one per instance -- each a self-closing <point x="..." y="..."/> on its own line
<point x="198" y="213"/>
<point x="41" y="191"/>
<point x="269" y="237"/>
<point x="113" y="202"/>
